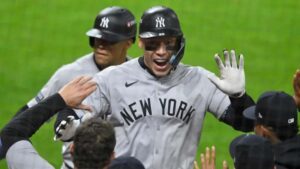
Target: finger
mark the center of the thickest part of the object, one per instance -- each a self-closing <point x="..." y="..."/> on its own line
<point x="214" y="79"/>
<point x="213" y="155"/>
<point x="202" y="161"/>
<point x="84" y="107"/>
<point x="70" y="119"/>
<point x="225" y="165"/>
<point x="233" y="59"/>
<point x="196" y="166"/>
<point x="84" y="80"/>
<point x="207" y="156"/>
<point x="56" y="137"/>
<point x="89" y="84"/>
<point x="89" y="88"/>
<point x="62" y="125"/>
<point x="77" y="79"/>
<point x="226" y="57"/>
<point x="219" y="62"/>
<point x="241" y="64"/>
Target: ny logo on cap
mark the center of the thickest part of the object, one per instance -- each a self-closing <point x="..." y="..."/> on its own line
<point x="260" y="116"/>
<point x="160" y="22"/>
<point x="104" y="22"/>
<point x="291" y="120"/>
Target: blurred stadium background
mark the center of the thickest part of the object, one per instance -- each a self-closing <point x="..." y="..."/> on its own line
<point x="37" y="37"/>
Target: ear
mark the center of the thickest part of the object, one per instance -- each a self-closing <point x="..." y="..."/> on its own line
<point x="129" y="42"/>
<point x="266" y="132"/>
<point x="140" y="44"/>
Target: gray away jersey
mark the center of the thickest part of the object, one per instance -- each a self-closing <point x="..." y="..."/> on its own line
<point x="82" y="66"/>
<point x="158" y="121"/>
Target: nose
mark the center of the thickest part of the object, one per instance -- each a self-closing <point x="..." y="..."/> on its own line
<point x="161" y="50"/>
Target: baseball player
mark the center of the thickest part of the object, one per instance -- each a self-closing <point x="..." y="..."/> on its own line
<point x="112" y="35"/>
<point x="276" y="118"/>
<point x="87" y="152"/>
<point x="158" y="104"/>
<point x="14" y="137"/>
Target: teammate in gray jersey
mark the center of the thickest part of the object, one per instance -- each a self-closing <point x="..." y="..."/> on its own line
<point x="113" y="33"/>
<point x="158" y="104"/>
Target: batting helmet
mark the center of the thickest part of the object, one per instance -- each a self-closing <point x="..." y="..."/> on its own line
<point x="160" y="21"/>
<point x="113" y="24"/>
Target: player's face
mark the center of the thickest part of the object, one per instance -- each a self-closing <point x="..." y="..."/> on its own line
<point x="108" y="53"/>
<point x="157" y="53"/>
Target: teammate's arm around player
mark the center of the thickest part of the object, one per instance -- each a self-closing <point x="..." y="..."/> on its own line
<point x="15" y="144"/>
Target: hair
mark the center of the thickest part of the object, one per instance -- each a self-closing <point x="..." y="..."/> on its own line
<point x="284" y="133"/>
<point x="94" y="143"/>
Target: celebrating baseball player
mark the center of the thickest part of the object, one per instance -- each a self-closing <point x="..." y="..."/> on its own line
<point x="158" y="104"/>
<point x="113" y="33"/>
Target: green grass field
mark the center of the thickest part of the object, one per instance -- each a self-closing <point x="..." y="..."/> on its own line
<point x="37" y="37"/>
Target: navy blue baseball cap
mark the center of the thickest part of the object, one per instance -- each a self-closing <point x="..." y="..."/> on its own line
<point x="275" y="109"/>
<point x="252" y="151"/>
<point x="126" y="162"/>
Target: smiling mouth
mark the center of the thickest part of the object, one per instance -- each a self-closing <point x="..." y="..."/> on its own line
<point x="161" y="62"/>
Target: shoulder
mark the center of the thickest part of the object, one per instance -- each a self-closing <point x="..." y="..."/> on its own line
<point x="119" y="71"/>
<point x="81" y="66"/>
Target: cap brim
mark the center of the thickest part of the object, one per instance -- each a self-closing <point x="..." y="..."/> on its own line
<point x="249" y="113"/>
<point x="111" y="37"/>
<point x="146" y="35"/>
<point x="94" y="33"/>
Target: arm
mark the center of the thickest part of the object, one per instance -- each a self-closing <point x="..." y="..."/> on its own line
<point x="24" y="125"/>
<point x="296" y="86"/>
<point x="69" y="119"/>
<point x="233" y="115"/>
<point x="232" y="82"/>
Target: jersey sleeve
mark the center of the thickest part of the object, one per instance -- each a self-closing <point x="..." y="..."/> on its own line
<point x="23" y="155"/>
<point x="217" y="101"/>
<point x="50" y="88"/>
<point x="98" y="100"/>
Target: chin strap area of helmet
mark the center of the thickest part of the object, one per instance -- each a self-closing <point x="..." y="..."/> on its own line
<point x="177" y="56"/>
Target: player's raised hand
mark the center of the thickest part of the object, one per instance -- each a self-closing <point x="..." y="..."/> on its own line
<point x="208" y="161"/>
<point x="232" y="75"/>
<point x="77" y="90"/>
<point x="296" y="85"/>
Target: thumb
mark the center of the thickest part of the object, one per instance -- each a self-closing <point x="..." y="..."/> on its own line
<point x="84" y="107"/>
<point x="214" y="79"/>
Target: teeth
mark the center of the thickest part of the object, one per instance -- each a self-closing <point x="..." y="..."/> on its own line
<point x="160" y="60"/>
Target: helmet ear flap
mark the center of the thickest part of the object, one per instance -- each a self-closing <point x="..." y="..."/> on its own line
<point x="92" y="42"/>
<point x="177" y="56"/>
